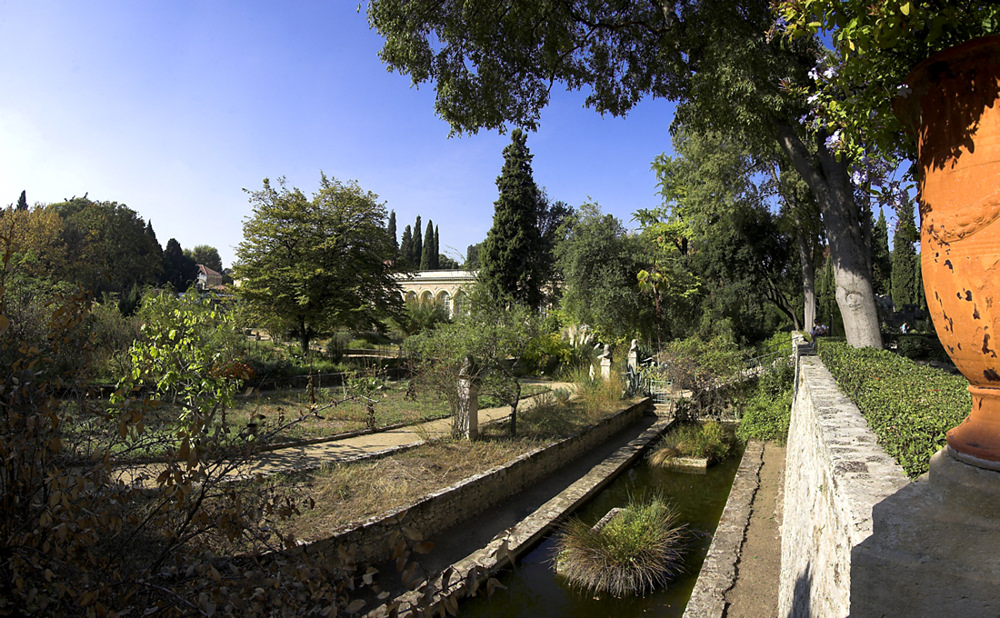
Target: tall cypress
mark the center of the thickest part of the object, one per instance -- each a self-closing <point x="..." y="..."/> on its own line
<point x="406" y="247"/>
<point x="392" y="231"/>
<point x="881" y="259"/>
<point x="426" y="256"/>
<point x="22" y="202"/>
<point x="437" y="248"/>
<point x="507" y="261"/>
<point x="418" y="245"/>
<point x="904" y="259"/>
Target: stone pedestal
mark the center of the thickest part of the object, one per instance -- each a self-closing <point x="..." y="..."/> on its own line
<point x="934" y="548"/>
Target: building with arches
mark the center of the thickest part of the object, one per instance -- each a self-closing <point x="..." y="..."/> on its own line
<point x="444" y="287"/>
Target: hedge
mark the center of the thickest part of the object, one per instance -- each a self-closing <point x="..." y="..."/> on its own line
<point x="910" y="407"/>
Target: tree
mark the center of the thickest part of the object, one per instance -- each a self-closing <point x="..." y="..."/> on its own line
<point x="719" y="60"/>
<point x="490" y="333"/>
<point x="392" y="230"/>
<point x="472" y="253"/>
<point x="417" y="251"/>
<point x="22" y="201"/>
<point x="881" y="260"/>
<point x="107" y="248"/>
<point x="427" y="256"/>
<point x="508" y="264"/>
<point x="207" y="255"/>
<point x="311" y="265"/>
<point x="599" y="262"/>
<point x="437" y="247"/>
<point x="904" y="259"/>
<point x="875" y="45"/>
<point x="406" y="247"/>
<point x="179" y="269"/>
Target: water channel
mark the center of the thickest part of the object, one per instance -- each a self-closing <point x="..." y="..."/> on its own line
<point x="534" y="589"/>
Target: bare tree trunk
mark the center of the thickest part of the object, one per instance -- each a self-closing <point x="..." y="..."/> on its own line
<point x="808" y="280"/>
<point x="829" y="182"/>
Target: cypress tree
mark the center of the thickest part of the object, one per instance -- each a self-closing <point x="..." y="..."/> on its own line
<point x="508" y="266"/>
<point x="406" y="247"/>
<point x="22" y="202"/>
<point x="392" y="231"/>
<point x="418" y="245"/>
<point x="904" y="259"/>
<point x="881" y="260"/>
<point x="426" y="256"/>
<point x="437" y="248"/>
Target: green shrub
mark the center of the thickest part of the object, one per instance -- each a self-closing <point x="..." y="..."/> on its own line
<point x="709" y="441"/>
<point x="638" y="550"/>
<point x="910" y="407"/>
<point x="767" y="409"/>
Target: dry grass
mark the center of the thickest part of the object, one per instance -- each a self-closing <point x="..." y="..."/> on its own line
<point x="350" y="493"/>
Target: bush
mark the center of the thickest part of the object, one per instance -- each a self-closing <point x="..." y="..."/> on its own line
<point x="709" y="441"/>
<point x="638" y="550"/>
<point x="910" y="407"/>
<point x="767" y="409"/>
<point x="703" y="367"/>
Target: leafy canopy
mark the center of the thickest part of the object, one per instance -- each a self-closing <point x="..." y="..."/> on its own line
<point x="307" y="266"/>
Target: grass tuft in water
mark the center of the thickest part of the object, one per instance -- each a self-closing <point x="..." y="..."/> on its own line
<point x="636" y="551"/>
<point x="709" y="441"/>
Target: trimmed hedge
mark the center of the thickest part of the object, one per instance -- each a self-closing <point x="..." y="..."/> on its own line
<point x="910" y="407"/>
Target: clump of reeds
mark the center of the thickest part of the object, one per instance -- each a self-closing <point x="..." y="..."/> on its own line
<point x="709" y="441"/>
<point x="639" y="549"/>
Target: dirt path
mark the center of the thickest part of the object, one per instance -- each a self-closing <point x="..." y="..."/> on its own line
<point x="755" y="594"/>
<point x="312" y="456"/>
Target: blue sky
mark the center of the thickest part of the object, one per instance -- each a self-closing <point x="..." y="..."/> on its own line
<point x="172" y="107"/>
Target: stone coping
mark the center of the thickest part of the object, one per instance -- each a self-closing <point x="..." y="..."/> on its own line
<point x="721" y="566"/>
<point x="507" y="546"/>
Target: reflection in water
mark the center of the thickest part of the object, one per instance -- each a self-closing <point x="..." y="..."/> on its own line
<point x="534" y="589"/>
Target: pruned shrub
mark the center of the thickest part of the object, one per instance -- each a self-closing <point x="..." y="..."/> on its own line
<point x="767" y="409"/>
<point x="910" y="407"/>
<point x="636" y="551"/>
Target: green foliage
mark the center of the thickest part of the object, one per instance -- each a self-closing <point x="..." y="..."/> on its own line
<point x="709" y="441"/>
<point x="309" y="266"/>
<point x="487" y="342"/>
<point x="599" y="262"/>
<point x="207" y="255"/>
<point x="508" y="261"/>
<point x="875" y="45"/>
<point x="107" y="247"/>
<point x="638" y="550"/>
<point x="905" y="264"/>
<point x="177" y="357"/>
<point x="179" y="269"/>
<point x="910" y="407"/>
<point x="428" y="253"/>
<point x="767" y="409"/>
<point x="406" y="248"/>
<point x="881" y="260"/>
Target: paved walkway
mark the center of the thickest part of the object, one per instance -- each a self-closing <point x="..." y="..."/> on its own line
<point x="298" y="458"/>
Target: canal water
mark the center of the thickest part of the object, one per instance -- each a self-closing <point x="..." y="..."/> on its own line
<point x="534" y="589"/>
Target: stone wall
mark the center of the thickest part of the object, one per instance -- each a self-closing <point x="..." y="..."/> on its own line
<point x="371" y="542"/>
<point x="834" y="474"/>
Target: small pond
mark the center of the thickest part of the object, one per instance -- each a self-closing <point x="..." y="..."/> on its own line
<point x="534" y="589"/>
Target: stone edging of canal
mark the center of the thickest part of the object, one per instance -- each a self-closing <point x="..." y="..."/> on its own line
<point x="517" y="540"/>
<point x="721" y="567"/>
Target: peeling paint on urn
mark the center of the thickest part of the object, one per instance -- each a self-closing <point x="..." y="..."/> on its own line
<point x="953" y="111"/>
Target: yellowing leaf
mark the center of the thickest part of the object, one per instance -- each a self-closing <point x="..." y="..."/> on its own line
<point x="905" y="9"/>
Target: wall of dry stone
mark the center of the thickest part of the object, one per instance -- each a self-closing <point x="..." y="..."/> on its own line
<point x="372" y="541"/>
<point x="834" y="474"/>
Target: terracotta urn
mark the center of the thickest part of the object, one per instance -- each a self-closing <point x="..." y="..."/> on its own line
<point x="953" y="108"/>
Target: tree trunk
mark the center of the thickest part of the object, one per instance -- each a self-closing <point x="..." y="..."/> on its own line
<point x="304" y="338"/>
<point x="829" y="182"/>
<point x="808" y="278"/>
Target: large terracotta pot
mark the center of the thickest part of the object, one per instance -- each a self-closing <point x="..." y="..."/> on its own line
<point x="953" y="111"/>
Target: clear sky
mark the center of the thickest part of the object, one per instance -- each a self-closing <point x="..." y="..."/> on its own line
<point x="173" y="107"/>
